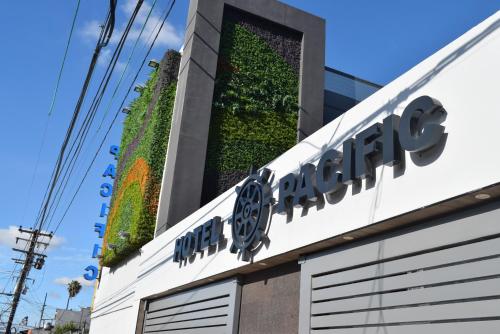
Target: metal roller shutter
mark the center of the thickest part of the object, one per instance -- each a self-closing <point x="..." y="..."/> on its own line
<point x="209" y="309"/>
<point x="441" y="278"/>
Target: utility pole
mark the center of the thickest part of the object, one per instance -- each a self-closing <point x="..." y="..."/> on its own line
<point x="43" y="310"/>
<point x="27" y="263"/>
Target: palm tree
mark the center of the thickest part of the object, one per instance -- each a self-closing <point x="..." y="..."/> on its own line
<point x="74" y="288"/>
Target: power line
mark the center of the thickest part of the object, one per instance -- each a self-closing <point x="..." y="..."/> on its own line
<point x="51" y="108"/>
<point x="30" y="253"/>
<point x="54" y="96"/>
<point x="126" y="65"/>
<point x="128" y="62"/>
<point x="83" y="132"/>
<point x="85" y="126"/>
<point x="103" y="40"/>
<point x="27" y="264"/>
<point x="52" y="104"/>
<point x="96" y="98"/>
<point x="166" y="15"/>
<point x="63" y="159"/>
<point x="56" y="90"/>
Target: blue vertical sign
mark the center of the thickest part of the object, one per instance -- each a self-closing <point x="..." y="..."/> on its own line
<point x="106" y="190"/>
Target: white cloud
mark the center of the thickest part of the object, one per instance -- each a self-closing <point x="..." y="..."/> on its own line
<point x="91" y="31"/>
<point x="80" y="258"/>
<point x="65" y="281"/>
<point x="169" y="36"/>
<point x="54" y="295"/>
<point x="104" y="59"/>
<point x="72" y="254"/>
<point x="8" y="238"/>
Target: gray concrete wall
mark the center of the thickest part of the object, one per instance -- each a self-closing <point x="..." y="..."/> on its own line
<point x="270" y="301"/>
<point x="79" y="318"/>
<point x="185" y="164"/>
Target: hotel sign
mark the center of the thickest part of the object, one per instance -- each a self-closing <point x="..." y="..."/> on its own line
<point x="417" y="130"/>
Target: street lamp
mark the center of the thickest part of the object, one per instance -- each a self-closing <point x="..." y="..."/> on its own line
<point x="153" y="63"/>
<point x="139" y="88"/>
<point x="123" y="235"/>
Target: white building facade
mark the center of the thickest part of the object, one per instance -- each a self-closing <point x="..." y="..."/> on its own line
<point x="412" y="248"/>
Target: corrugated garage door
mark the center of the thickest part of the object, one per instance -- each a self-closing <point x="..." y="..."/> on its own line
<point x="210" y="309"/>
<point x="443" y="277"/>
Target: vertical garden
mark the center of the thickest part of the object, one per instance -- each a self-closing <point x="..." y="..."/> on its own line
<point x="143" y="150"/>
<point x="255" y="105"/>
<point x="253" y="120"/>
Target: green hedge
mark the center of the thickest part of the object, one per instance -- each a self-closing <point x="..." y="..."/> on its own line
<point x="255" y="108"/>
<point x="140" y="166"/>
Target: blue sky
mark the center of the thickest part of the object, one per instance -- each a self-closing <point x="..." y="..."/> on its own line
<point x="374" y="40"/>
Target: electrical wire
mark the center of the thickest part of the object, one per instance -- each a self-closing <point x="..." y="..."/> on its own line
<point x="117" y="52"/>
<point x="166" y="15"/>
<point x="53" y="103"/>
<point x="51" y="108"/>
<point x="126" y="66"/>
<point x="148" y="41"/>
<point x="82" y="133"/>
<point x="104" y="38"/>
<point x="98" y="99"/>
<point x="57" y="172"/>
<point x="84" y="130"/>
<point x="102" y="41"/>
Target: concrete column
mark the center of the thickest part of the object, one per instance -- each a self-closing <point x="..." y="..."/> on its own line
<point x="185" y="164"/>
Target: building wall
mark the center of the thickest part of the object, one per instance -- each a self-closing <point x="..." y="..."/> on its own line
<point x="270" y="301"/>
<point x="335" y="105"/>
<point x="440" y="276"/>
<point x="182" y="186"/>
<point x="79" y="318"/>
<point x="464" y="76"/>
<point x="342" y="92"/>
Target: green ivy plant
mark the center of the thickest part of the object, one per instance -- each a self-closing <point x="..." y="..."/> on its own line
<point x="135" y="211"/>
<point x="255" y="105"/>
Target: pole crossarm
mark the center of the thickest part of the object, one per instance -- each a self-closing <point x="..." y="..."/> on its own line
<point x="28" y="252"/>
<point x="27" y="264"/>
<point x="27" y="279"/>
<point x="40" y="234"/>
<point x="45" y="244"/>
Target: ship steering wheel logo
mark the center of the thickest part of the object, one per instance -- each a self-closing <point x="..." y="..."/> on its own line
<point x="250" y="213"/>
